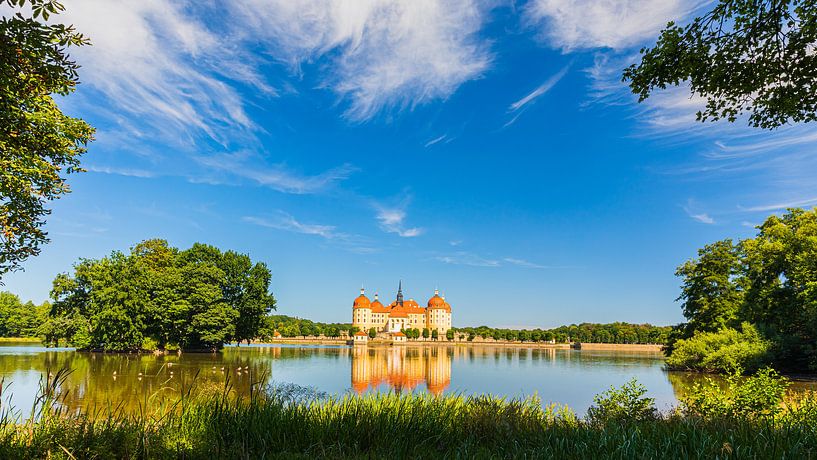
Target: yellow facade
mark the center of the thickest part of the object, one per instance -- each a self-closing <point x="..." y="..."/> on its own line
<point x="401" y="369"/>
<point x="401" y="314"/>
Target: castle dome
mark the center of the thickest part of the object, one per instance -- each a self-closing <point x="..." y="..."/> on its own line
<point x="376" y="304"/>
<point x="438" y="302"/>
<point x="362" y="301"/>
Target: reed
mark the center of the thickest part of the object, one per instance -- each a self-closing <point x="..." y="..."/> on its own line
<point x="288" y="422"/>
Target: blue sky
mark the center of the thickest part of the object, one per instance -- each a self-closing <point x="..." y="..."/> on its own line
<point x="485" y="148"/>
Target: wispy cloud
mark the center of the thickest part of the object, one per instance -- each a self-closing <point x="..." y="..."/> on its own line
<point x="392" y="219"/>
<point x="518" y="108"/>
<point x="121" y="171"/>
<point x="796" y="203"/>
<point x="467" y="258"/>
<point x="577" y="24"/>
<point x="156" y="61"/>
<point x="246" y="165"/>
<point x="540" y="90"/>
<point x="522" y="263"/>
<point x="381" y="54"/>
<point x="436" y="140"/>
<point x="701" y="217"/>
<point x="475" y="260"/>
<point x="286" y="222"/>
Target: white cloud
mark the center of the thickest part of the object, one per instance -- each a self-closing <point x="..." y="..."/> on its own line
<point x="522" y="263"/>
<point x="467" y="258"/>
<point x="521" y="104"/>
<point x="246" y="165"/>
<point x="141" y="173"/>
<point x="475" y="260"/>
<point x="382" y="54"/>
<point x="701" y="217"/>
<point x="155" y="61"/>
<point x="796" y="203"/>
<point x="436" y="140"/>
<point x="576" y="24"/>
<point x="540" y="90"/>
<point x="392" y="219"/>
<point x="288" y="223"/>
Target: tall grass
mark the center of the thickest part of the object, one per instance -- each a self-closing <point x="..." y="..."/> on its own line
<point x="287" y="423"/>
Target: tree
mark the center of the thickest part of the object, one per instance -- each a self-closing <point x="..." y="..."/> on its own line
<point x="711" y="293"/>
<point x="18" y="319"/>
<point x="426" y="333"/>
<point x="372" y="333"/>
<point x="353" y="330"/>
<point x="449" y="334"/>
<point x="39" y="144"/>
<point x="161" y="297"/>
<point x="435" y="334"/>
<point x="743" y="56"/>
<point x="767" y="285"/>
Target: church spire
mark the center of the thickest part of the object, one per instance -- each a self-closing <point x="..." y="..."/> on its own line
<point x="400" y="293"/>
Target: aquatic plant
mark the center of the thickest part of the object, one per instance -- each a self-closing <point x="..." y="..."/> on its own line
<point x="292" y="422"/>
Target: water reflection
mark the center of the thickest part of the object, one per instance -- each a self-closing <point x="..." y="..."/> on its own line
<point x="142" y="382"/>
<point x="401" y="368"/>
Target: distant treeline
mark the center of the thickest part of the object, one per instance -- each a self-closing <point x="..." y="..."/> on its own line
<point x="290" y="326"/>
<point x="585" y="332"/>
<point x="18" y="319"/>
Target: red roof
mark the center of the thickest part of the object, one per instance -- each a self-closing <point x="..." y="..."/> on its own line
<point x="359" y="333"/>
<point x="399" y="334"/>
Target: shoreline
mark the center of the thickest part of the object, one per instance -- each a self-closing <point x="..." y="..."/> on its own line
<point x="652" y="348"/>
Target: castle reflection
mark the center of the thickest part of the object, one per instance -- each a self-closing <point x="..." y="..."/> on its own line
<point x="401" y="368"/>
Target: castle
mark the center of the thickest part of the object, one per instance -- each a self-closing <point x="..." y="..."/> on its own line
<point x="400" y="314"/>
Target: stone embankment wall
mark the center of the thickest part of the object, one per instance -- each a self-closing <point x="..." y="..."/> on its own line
<point x="619" y="346"/>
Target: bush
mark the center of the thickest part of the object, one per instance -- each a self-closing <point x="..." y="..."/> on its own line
<point x="625" y="404"/>
<point x="722" y="351"/>
<point x="760" y="395"/>
<point x="149" y="344"/>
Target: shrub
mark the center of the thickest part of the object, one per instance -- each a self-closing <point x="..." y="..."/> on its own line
<point x="624" y="404"/>
<point x="722" y="351"/>
<point x="760" y="395"/>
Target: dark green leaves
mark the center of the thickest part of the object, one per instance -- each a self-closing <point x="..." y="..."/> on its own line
<point x="743" y="57"/>
<point x="199" y="298"/>
<point x="38" y="143"/>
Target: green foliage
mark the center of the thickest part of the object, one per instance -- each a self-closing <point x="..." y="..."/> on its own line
<point x="353" y="330"/>
<point x="298" y="423"/>
<point x="435" y="334"/>
<point x="199" y="298"/>
<point x="742" y="56"/>
<point x="722" y="351"/>
<point x="759" y="395"/>
<point x="585" y="332"/>
<point x="19" y="319"/>
<point x="769" y="281"/>
<point x="372" y="333"/>
<point x="426" y="333"/>
<point x="711" y="292"/>
<point x="625" y="404"/>
<point x="39" y="144"/>
<point x="449" y="334"/>
<point x="290" y="326"/>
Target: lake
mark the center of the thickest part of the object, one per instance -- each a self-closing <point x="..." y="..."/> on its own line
<point x="134" y="382"/>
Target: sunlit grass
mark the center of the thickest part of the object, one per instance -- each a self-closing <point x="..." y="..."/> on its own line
<point x="20" y="340"/>
<point x="292" y="422"/>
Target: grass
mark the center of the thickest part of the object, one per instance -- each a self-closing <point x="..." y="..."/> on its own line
<point x="290" y="423"/>
<point x="20" y="339"/>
